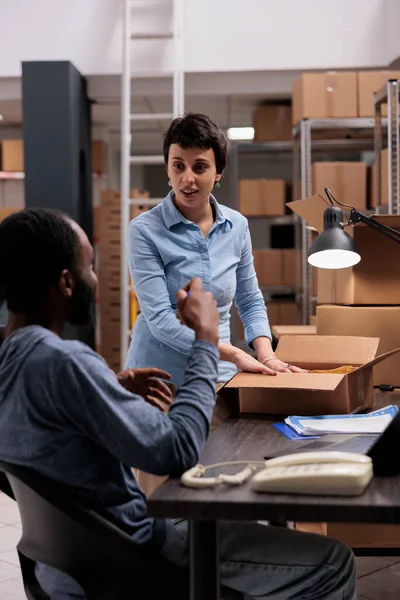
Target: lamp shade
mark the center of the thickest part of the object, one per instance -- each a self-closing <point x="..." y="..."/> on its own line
<point x="333" y="248"/>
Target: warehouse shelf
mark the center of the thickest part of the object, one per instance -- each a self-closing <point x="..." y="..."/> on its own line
<point x="303" y="147"/>
<point x="388" y="94"/>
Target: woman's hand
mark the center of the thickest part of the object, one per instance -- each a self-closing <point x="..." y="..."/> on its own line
<point x="279" y="366"/>
<point x="147" y="383"/>
<point x="245" y="362"/>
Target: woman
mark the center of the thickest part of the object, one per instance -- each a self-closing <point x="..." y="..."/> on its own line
<point x="189" y="234"/>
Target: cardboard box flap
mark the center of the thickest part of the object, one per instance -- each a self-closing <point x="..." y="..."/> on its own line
<point x="379" y="359"/>
<point x="326" y="350"/>
<point x="286" y="381"/>
<point x="311" y="210"/>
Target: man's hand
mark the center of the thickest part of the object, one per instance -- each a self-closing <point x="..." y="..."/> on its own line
<point x="147" y="383"/>
<point x="197" y="309"/>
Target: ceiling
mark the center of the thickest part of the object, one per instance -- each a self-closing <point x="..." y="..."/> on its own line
<point x="228" y="98"/>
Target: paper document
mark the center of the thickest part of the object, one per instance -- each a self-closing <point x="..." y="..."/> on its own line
<point x="374" y="422"/>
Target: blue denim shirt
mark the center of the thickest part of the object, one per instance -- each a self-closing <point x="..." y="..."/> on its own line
<point x="166" y="252"/>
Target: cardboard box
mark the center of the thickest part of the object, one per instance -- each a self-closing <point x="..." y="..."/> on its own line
<point x="280" y="330"/>
<point x="313" y="393"/>
<point x="12" y="155"/>
<point x="273" y="313"/>
<point x="272" y="123"/>
<point x="261" y="197"/>
<point x="370" y="321"/>
<point x="289" y="313"/>
<point x="324" y="95"/>
<point x="268" y="266"/>
<point x="99" y="156"/>
<point x="346" y="180"/>
<point x="291" y="267"/>
<point x="96" y="223"/>
<point x="369" y="82"/>
<point x="375" y="279"/>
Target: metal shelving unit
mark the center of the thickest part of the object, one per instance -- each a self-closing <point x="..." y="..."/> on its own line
<point x="251" y="148"/>
<point x="388" y="94"/>
<point x="262" y="148"/>
<point x="303" y="148"/>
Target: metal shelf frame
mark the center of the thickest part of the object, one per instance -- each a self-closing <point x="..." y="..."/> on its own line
<point x="303" y="148"/>
<point x="388" y="94"/>
<point x="128" y="157"/>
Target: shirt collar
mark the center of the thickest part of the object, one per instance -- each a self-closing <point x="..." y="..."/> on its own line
<point x="172" y="216"/>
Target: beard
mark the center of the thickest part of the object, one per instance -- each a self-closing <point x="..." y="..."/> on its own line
<point x="83" y="305"/>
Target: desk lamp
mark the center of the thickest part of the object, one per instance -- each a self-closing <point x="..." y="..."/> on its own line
<point x="334" y="248"/>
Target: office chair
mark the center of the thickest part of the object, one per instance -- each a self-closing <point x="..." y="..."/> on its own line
<point x="60" y="531"/>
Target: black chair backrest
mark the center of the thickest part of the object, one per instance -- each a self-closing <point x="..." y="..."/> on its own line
<point x="59" y="531"/>
<point x="5" y="486"/>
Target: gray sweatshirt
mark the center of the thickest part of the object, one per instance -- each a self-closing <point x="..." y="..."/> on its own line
<point x="64" y="414"/>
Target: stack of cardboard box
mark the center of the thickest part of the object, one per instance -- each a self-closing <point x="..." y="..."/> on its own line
<point x="337" y="94"/>
<point x="346" y="180"/>
<point x="109" y="272"/>
<point x="277" y="268"/>
<point x="12" y="156"/>
<point x="363" y="300"/>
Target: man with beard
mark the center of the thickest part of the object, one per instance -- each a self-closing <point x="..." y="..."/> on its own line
<point x="66" y="415"/>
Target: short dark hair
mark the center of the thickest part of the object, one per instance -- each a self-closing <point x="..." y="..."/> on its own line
<point x="195" y="130"/>
<point x="36" y="244"/>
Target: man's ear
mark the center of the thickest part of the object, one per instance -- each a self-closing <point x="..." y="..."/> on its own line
<point x="66" y="283"/>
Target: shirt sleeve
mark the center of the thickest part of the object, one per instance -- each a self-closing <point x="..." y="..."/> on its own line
<point x="148" y="277"/>
<point x="249" y="299"/>
<point x="137" y="433"/>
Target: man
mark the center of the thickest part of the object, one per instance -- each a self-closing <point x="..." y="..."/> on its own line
<point x="66" y="415"/>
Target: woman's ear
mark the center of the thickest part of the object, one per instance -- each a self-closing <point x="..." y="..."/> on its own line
<point x="218" y="176"/>
<point x="66" y="283"/>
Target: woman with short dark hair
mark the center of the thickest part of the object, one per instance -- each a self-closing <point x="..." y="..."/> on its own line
<point x="190" y="235"/>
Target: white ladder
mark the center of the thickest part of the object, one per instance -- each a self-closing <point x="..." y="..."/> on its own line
<point x="127" y="117"/>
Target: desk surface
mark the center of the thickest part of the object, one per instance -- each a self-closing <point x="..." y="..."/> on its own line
<point x="251" y="438"/>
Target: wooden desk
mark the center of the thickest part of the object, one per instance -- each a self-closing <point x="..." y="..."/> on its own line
<point x="251" y="438"/>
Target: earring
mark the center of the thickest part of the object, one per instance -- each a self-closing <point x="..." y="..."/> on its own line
<point x="169" y="183"/>
<point x="217" y="185"/>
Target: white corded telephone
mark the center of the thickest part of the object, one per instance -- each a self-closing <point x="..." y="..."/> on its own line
<point x="331" y="473"/>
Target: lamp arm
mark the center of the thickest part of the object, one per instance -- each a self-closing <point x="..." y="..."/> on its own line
<point x="358" y="217"/>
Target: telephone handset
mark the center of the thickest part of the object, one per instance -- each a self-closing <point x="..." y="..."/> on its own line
<point x="332" y="473"/>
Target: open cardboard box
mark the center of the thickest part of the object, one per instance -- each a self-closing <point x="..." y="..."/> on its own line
<point x="376" y="278"/>
<point x="313" y="393"/>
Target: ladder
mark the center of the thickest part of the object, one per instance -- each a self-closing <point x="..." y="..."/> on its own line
<point x="128" y="300"/>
